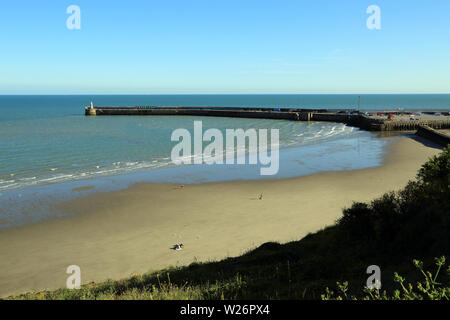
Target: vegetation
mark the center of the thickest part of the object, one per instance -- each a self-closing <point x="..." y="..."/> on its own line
<point x="389" y="232"/>
<point x="428" y="288"/>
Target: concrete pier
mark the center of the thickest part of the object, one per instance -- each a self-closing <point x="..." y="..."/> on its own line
<point x="371" y="122"/>
<point x="440" y="138"/>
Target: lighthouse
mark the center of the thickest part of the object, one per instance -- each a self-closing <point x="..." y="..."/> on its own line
<point x="91" y="110"/>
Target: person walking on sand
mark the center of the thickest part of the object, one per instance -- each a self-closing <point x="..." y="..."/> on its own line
<point x="260" y="196"/>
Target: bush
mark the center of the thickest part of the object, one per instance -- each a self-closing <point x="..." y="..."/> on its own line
<point x="427" y="289"/>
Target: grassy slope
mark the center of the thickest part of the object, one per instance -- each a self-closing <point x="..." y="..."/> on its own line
<point x="389" y="232"/>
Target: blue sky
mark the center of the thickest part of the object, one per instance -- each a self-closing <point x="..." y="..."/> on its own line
<point x="217" y="46"/>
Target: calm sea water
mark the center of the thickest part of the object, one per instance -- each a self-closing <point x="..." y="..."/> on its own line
<point x="48" y="148"/>
<point x="47" y="139"/>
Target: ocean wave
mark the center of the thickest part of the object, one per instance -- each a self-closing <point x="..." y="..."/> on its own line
<point x="291" y="135"/>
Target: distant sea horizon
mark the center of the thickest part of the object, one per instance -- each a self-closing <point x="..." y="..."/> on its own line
<point x="368" y="101"/>
<point x="218" y="94"/>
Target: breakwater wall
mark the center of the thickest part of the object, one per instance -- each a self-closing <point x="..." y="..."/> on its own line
<point x="433" y="135"/>
<point x="409" y="125"/>
<point x="342" y="116"/>
<point x="194" y="111"/>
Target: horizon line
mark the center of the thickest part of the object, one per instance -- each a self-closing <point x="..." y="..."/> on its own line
<point x="185" y="94"/>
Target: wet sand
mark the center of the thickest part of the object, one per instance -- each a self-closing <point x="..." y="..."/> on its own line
<point x="115" y="234"/>
<point x="83" y="188"/>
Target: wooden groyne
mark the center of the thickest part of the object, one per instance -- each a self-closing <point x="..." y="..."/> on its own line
<point x="348" y="117"/>
<point x="440" y="138"/>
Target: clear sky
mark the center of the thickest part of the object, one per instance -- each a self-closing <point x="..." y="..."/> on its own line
<point x="224" y="46"/>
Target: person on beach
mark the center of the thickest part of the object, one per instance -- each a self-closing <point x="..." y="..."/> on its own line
<point x="260" y="196"/>
<point x="177" y="247"/>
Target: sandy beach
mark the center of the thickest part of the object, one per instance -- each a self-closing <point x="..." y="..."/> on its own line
<point x="115" y="234"/>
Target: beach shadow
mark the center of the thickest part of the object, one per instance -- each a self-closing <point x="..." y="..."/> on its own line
<point x="424" y="141"/>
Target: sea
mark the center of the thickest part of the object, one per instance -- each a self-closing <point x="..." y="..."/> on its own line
<point x="48" y="147"/>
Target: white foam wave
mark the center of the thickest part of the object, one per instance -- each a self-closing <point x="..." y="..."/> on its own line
<point x="294" y="136"/>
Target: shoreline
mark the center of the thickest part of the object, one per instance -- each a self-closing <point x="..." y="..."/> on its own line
<point x="356" y="150"/>
<point x="114" y="234"/>
<point x="160" y="168"/>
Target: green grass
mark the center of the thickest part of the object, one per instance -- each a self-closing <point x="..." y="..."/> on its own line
<point x="427" y="289"/>
<point x="390" y="232"/>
